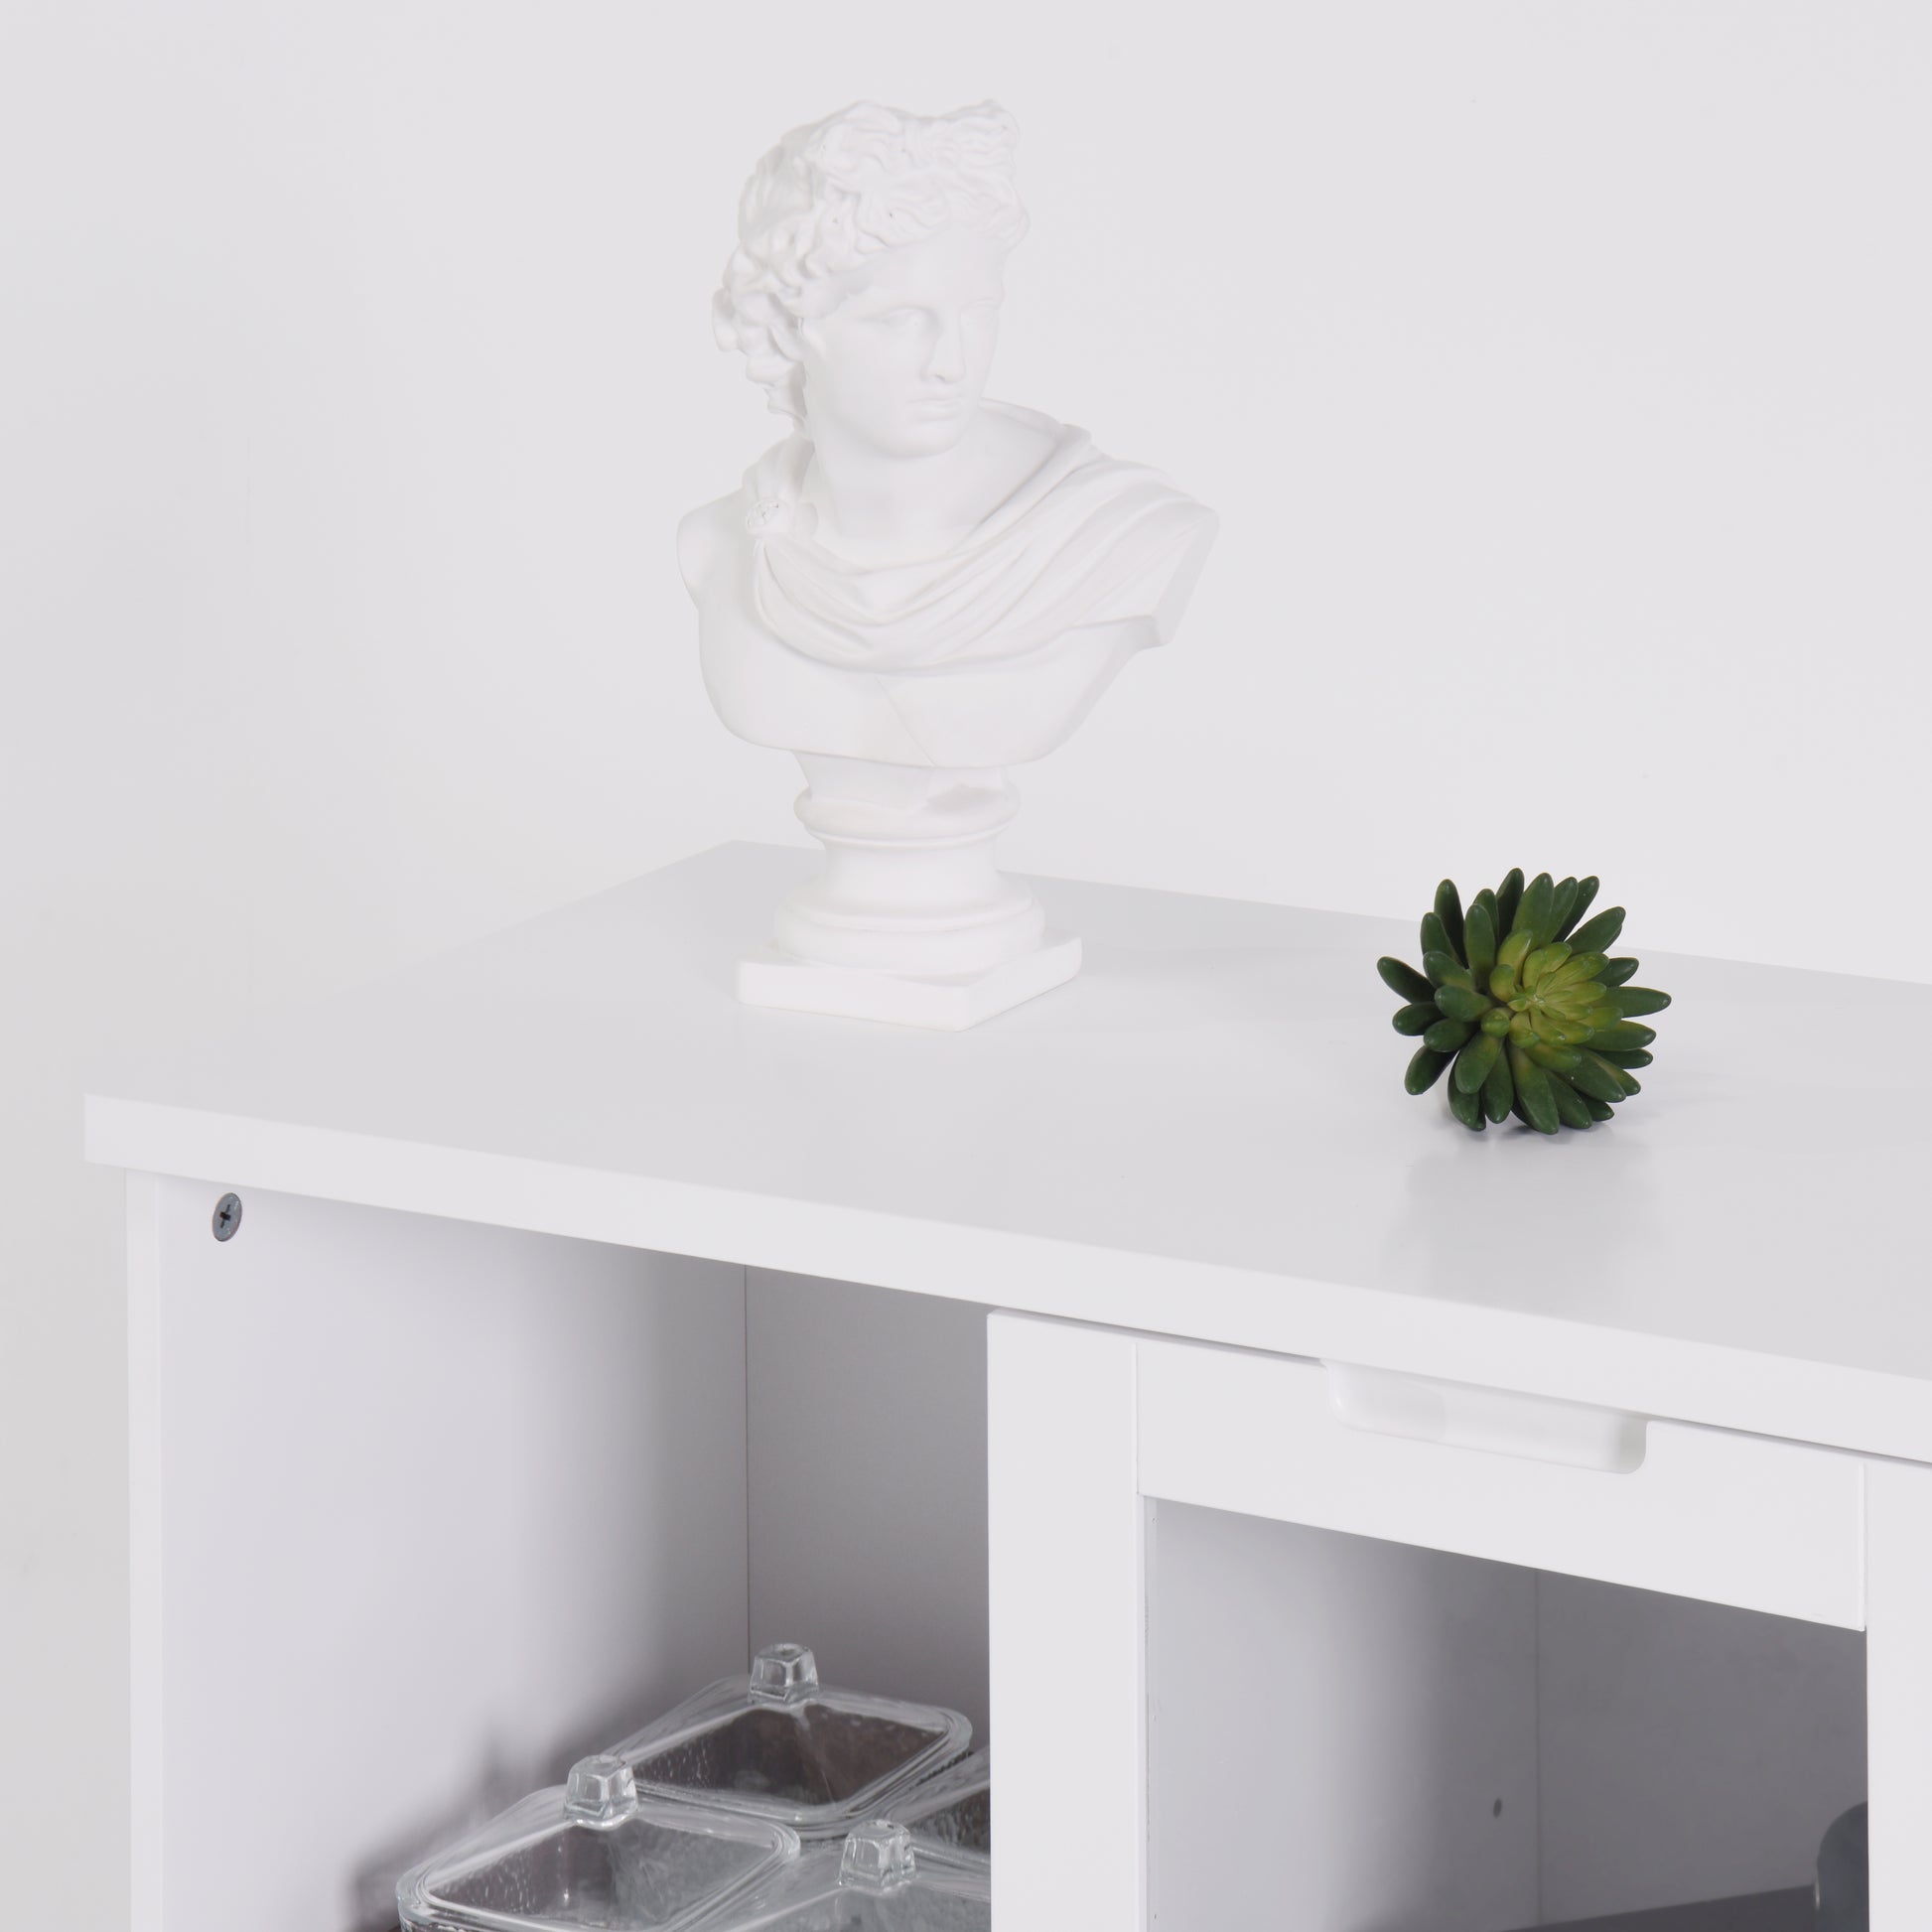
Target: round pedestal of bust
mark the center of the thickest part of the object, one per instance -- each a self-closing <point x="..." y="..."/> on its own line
<point x="910" y="921"/>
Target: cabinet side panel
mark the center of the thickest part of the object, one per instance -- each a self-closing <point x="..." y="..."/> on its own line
<point x="1342" y="1731"/>
<point x="444" y="1506"/>
<point x="146" y="1650"/>
<point x="1898" y="1693"/>
<point x="866" y="1425"/>
<point x="1067" y="1583"/>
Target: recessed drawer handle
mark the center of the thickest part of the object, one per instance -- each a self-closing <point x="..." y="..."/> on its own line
<point x="1463" y="1415"/>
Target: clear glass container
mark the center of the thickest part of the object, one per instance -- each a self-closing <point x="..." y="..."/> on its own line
<point x="878" y="1880"/>
<point x="596" y="1854"/>
<point x="780" y="1745"/>
<point x="953" y="1807"/>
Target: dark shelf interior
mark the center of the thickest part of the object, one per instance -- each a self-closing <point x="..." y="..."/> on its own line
<point x="1765" y="1911"/>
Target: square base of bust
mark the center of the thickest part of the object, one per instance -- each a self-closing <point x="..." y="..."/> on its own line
<point x="949" y="1003"/>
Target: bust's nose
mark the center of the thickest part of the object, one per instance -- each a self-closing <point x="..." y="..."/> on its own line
<point x="946" y="359"/>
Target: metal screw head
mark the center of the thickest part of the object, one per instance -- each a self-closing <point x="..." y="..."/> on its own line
<point x="227" y="1216"/>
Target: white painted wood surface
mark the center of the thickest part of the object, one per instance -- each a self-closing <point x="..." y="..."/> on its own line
<point x="422" y="1511"/>
<point x="1899" y="1692"/>
<point x="1732" y="1519"/>
<point x="147" y="1491"/>
<point x="1204" y="1139"/>
<point x="1202" y="1135"/>
<point x="1067" y="1592"/>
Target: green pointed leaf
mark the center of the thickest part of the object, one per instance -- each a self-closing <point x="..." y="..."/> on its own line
<point x="1570" y="1105"/>
<point x="1625" y="1034"/>
<point x="1448" y="908"/>
<point x="1479" y="941"/>
<point x="1585" y="892"/>
<point x="1509" y="896"/>
<point x="1577" y="969"/>
<point x="1461" y="1003"/>
<point x="1633" y="1000"/>
<point x="1403" y="979"/>
<point x="1466" y="1107"/>
<point x="1599" y="933"/>
<point x="1533" y="913"/>
<point x="1623" y="1056"/>
<point x="1560" y="902"/>
<point x="1533" y="1092"/>
<point x="1622" y="1075"/>
<point x="1416" y="1018"/>
<point x="1444" y="969"/>
<point x="1448" y="1035"/>
<point x="1616" y="971"/>
<point x="1545" y="959"/>
<point x="1472" y="1064"/>
<point x="1591" y="1076"/>
<point x="1499" y="1090"/>
<point x="1425" y="1069"/>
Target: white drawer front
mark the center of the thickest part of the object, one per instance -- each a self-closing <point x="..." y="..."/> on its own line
<point x="1731" y="1519"/>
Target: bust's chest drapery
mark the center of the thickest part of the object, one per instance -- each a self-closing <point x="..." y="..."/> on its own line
<point x="964" y="716"/>
<point x="1083" y="541"/>
<point x="987" y="654"/>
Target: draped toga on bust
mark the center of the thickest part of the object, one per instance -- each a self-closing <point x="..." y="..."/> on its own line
<point x="1084" y="541"/>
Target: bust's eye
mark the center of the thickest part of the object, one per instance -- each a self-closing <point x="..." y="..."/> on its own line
<point x="899" y="318"/>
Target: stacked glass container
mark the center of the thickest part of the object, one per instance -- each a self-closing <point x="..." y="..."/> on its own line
<point x="767" y="1800"/>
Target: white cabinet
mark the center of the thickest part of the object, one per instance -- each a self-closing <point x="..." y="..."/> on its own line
<point x="581" y="1320"/>
<point x="1093" y="1428"/>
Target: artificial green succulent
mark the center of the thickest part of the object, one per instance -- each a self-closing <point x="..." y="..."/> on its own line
<point x="1526" y="1004"/>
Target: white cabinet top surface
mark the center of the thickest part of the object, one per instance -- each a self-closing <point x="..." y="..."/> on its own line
<point x="1204" y="1135"/>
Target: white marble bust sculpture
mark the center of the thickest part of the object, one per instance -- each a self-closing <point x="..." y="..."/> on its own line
<point x="918" y="587"/>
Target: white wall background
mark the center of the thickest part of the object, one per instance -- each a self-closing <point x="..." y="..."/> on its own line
<point x="1559" y="372"/>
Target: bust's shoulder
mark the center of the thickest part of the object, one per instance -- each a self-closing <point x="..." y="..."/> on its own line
<point x="716" y="532"/>
<point x="1025" y="440"/>
<point x="707" y="536"/>
<point x="1031" y="427"/>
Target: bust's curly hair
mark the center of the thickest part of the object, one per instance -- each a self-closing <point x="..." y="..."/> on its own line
<point x="828" y="196"/>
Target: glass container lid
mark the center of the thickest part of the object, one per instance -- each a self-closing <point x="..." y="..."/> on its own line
<point x="595" y="1853"/>
<point x="778" y="1742"/>
<point x="878" y="1880"/>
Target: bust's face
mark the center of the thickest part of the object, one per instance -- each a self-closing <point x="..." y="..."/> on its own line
<point x="899" y="362"/>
